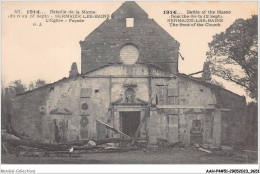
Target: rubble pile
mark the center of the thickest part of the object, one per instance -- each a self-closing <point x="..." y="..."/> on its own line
<point x="33" y="148"/>
<point x="27" y="147"/>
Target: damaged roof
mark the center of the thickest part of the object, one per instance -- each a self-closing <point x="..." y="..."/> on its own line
<point x="203" y="82"/>
<point x="198" y="80"/>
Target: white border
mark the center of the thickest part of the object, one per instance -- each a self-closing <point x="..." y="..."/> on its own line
<point x="169" y="168"/>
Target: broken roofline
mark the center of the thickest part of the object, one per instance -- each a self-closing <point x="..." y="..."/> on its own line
<point x="210" y="85"/>
<point x="171" y="75"/>
<point x="112" y="17"/>
<point x="83" y="75"/>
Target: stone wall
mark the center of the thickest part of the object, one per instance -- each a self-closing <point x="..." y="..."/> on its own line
<point x="38" y="112"/>
<point x="155" y="45"/>
<point x="233" y="123"/>
<point x="192" y="93"/>
<point x="67" y="110"/>
<point x="175" y="125"/>
<point x="252" y="128"/>
<point x="27" y="115"/>
<point x="56" y="109"/>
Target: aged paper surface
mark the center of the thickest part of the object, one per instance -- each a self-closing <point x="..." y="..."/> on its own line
<point x="41" y="40"/>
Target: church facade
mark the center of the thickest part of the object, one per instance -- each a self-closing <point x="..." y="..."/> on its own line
<point x="130" y="80"/>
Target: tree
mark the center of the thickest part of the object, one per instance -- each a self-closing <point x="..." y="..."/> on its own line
<point x="17" y="87"/>
<point x="7" y="95"/>
<point x="38" y="83"/>
<point x="233" y="54"/>
<point x="31" y="85"/>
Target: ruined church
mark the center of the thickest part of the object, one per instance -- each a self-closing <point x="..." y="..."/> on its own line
<point x="130" y="80"/>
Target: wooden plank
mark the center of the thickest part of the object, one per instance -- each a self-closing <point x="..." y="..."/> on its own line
<point x="164" y="94"/>
<point x="191" y="107"/>
<point x="173" y="128"/>
<point x="65" y="147"/>
<point x="143" y="120"/>
<point x="110" y="91"/>
<point x="204" y="150"/>
<point x="195" y="73"/>
<point x="113" y="129"/>
<point x="141" y="124"/>
<point x="184" y="107"/>
<point x="224" y="109"/>
<point x="35" y="144"/>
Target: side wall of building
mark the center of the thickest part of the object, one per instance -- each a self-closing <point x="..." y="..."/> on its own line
<point x="27" y="115"/>
<point x="54" y="113"/>
<point x="233" y="122"/>
<point x="195" y="94"/>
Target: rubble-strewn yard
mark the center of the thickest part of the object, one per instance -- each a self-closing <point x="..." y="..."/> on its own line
<point x="23" y="150"/>
<point x="187" y="155"/>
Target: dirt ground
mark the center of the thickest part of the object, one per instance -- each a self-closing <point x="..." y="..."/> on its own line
<point x="187" y="155"/>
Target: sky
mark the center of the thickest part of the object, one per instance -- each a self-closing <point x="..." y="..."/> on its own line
<point x="47" y="52"/>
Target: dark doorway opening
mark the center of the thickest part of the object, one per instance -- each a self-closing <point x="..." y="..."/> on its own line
<point x="196" y="132"/>
<point x="130" y="122"/>
<point x="60" y="130"/>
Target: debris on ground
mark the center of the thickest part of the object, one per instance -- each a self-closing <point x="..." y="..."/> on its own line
<point x="152" y="146"/>
<point x="226" y="148"/>
<point x="204" y="150"/>
<point x="5" y="135"/>
<point x="27" y="147"/>
<point x="110" y="146"/>
<point x="206" y="147"/>
<point x="113" y="129"/>
<point x="91" y="144"/>
<point x="33" y="148"/>
<point x="196" y="145"/>
<point x="176" y="144"/>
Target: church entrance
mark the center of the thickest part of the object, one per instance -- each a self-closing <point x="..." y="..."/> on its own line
<point x="129" y="122"/>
